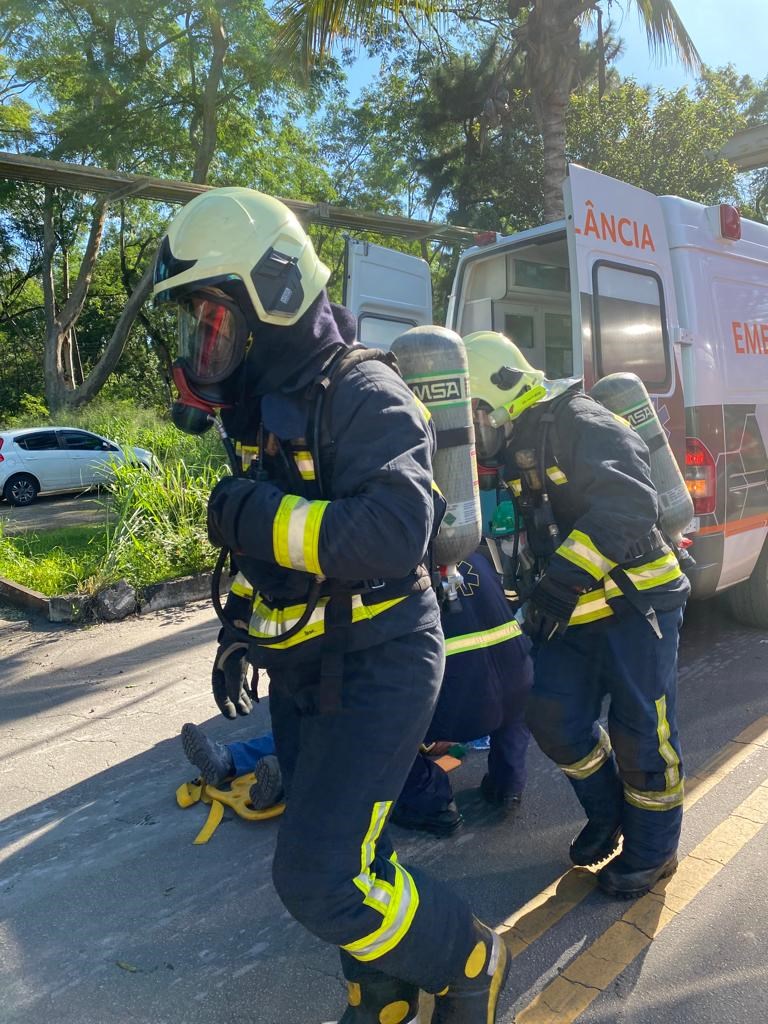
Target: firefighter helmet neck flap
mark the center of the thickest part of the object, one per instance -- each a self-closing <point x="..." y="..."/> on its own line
<point x="237" y="264"/>
<point x="503" y="385"/>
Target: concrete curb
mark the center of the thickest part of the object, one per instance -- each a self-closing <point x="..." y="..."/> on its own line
<point x="82" y="607"/>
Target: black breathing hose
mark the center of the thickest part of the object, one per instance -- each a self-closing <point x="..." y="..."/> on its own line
<point x="313" y="594"/>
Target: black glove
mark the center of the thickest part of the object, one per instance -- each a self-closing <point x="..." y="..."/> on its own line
<point x="225" y="504"/>
<point x="229" y="681"/>
<point x="548" y="609"/>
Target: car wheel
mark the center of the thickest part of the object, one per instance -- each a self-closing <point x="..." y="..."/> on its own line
<point x="21" y="489"/>
<point x="749" y="600"/>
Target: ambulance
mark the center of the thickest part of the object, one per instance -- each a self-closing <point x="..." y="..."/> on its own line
<point x="666" y="288"/>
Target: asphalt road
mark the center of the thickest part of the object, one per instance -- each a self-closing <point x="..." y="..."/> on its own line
<point x="109" y="914"/>
<point x="52" y="512"/>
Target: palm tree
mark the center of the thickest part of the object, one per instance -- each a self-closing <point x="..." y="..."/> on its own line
<point x="547" y="32"/>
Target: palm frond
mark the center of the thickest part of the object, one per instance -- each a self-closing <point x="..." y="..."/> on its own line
<point x="667" y="35"/>
<point x="309" y="27"/>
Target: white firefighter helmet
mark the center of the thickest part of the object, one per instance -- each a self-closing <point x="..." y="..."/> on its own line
<point x="238" y="234"/>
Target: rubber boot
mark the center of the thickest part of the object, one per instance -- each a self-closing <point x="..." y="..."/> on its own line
<point x="381" y="1000"/>
<point x="596" y="841"/>
<point x="625" y="881"/>
<point x="473" y="998"/>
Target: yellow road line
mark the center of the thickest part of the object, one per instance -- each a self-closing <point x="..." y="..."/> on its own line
<point x="583" y="980"/>
<point x="539" y="914"/>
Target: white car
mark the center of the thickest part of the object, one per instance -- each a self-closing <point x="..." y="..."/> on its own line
<point x="50" y="459"/>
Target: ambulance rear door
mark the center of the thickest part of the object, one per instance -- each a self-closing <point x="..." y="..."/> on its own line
<point x="388" y="291"/>
<point x="622" y="290"/>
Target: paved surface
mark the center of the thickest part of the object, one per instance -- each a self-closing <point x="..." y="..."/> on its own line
<point x="50" y="513"/>
<point x="109" y="914"/>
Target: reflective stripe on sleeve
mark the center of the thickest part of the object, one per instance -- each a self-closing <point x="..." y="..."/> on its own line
<point x="296" y="533"/>
<point x="594" y="760"/>
<point x="241" y="587"/>
<point x="483" y="638"/>
<point x="516" y="486"/>
<point x="579" y="549"/>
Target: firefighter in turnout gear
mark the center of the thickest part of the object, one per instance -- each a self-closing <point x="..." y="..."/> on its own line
<point x="603" y="603"/>
<point x="330" y="520"/>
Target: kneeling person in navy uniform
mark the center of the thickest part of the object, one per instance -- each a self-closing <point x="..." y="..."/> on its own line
<point x="604" y="611"/>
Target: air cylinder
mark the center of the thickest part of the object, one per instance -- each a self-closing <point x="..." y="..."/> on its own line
<point x="625" y="394"/>
<point x="433" y="362"/>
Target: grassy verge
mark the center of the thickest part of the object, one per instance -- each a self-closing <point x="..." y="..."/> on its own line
<point x="156" y="529"/>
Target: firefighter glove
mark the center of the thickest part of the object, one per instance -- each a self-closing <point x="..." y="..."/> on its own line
<point x="548" y="609"/>
<point x="229" y="680"/>
<point x="224" y="507"/>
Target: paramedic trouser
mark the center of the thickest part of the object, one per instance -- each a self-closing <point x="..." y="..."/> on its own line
<point x="639" y="783"/>
<point x="334" y="868"/>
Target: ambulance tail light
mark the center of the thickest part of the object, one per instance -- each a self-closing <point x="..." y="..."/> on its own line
<point x="2" y="457"/>
<point x="700" y="476"/>
<point x="730" y="222"/>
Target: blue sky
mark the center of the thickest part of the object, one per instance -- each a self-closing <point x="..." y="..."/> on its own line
<point x="732" y="33"/>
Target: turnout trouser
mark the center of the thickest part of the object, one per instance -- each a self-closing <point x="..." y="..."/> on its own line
<point x="334" y="867"/>
<point x="632" y="775"/>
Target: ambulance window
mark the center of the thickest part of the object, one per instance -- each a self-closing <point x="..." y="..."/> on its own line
<point x="381" y="331"/>
<point x="541" y="275"/>
<point x="519" y="329"/>
<point x="630" y="324"/>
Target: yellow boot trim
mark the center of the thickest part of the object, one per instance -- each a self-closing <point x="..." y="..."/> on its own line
<point x="475" y="960"/>
<point x="394" y="1013"/>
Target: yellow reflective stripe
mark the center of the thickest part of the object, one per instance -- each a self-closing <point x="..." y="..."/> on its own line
<point x="397" y="918"/>
<point x="667" y="751"/>
<point x="247" y="453"/>
<point x="516" y="486"/>
<point x="305" y="464"/>
<point x="483" y="638"/>
<point x="437" y="490"/>
<point x="377" y="893"/>
<point x="556" y="475"/>
<point x="423" y="409"/>
<point x="654" y="574"/>
<point x="590" y="607"/>
<point x="280" y="529"/>
<point x="271" y="622"/>
<point x="653" y="800"/>
<point x="296" y="533"/>
<point x="579" y="549"/>
<point x="594" y="760"/>
<point x="241" y="587"/>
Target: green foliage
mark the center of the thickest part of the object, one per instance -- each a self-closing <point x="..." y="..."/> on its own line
<point x="625" y="134"/>
<point x="54" y="562"/>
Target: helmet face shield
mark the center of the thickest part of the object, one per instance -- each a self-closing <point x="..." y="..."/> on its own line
<point x="213" y="336"/>
<point x="489" y="440"/>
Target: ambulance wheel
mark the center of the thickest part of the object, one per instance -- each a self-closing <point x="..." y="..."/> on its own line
<point x="748" y="601"/>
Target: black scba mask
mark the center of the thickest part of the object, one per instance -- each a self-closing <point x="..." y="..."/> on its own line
<point x="213" y="337"/>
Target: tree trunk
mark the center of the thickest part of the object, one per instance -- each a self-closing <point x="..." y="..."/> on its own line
<point x="209" y="116"/>
<point x="61" y="322"/>
<point x="551" y="40"/>
<point x="96" y="379"/>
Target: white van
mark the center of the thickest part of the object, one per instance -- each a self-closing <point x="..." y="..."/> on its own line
<point x="671" y="290"/>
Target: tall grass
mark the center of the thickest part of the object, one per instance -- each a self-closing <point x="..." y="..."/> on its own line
<point x="156" y="524"/>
